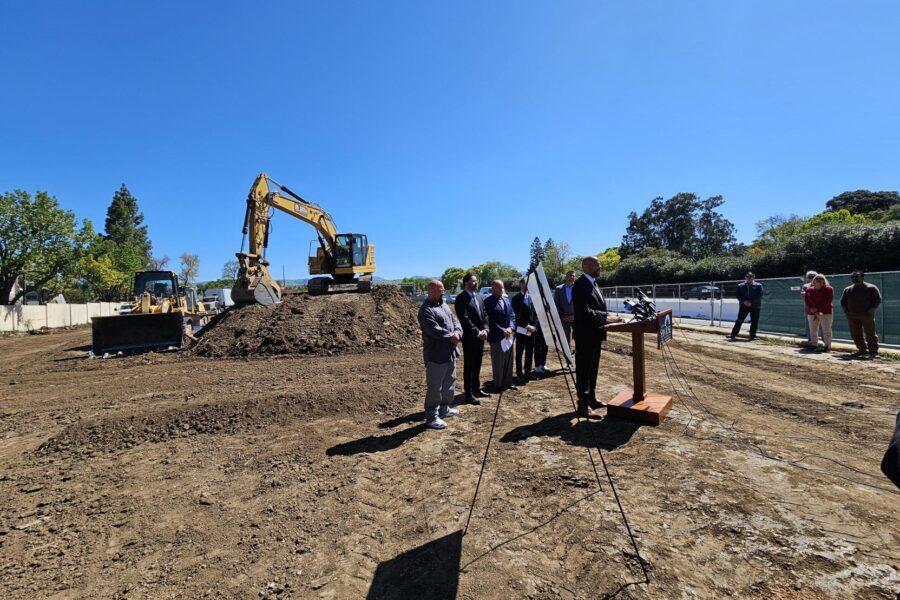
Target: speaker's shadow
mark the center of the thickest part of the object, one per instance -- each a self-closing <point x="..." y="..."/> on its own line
<point x="429" y="572"/>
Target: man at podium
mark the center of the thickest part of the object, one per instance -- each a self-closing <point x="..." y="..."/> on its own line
<point x="590" y="319"/>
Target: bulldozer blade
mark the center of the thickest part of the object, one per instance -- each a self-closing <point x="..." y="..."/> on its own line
<point x="137" y="332"/>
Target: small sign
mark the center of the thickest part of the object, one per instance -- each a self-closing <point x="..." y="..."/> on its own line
<point x="665" y="329"/>
<point x="795" y="288"/>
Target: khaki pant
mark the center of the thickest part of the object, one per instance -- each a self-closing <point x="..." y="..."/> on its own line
<point x="815" y="322"/>
<point x="862" y="329"/>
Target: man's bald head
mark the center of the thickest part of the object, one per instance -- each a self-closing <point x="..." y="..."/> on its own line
<point x="435" y="290"/>
<point x="590" y="265"/>
<point x="497" y="287"/>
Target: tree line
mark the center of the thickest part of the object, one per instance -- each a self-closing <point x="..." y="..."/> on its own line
<point x="43" y="249"/>
<point x="686" y="238"/>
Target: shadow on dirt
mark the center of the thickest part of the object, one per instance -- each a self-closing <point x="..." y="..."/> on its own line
<point x="608" y="434"/>
<point x="376" y="443"/>
<point x="429" y="572"/>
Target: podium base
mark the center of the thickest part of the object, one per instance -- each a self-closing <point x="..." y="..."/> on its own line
<point x="651" y="410"/>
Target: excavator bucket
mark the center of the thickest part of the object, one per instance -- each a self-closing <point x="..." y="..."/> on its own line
<point x="261" y="293"/>
<point x="137" y="332"/>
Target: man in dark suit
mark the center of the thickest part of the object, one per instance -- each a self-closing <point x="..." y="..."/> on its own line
<point x="526" y="318"/>
<point x="474" y="321"/>
<point x="590" y="319"/>
<point x="502" y="327"/>
<point x="749" y="294"/>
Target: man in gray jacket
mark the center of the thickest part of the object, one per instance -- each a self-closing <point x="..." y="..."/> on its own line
<point x="859" y="301"/>
<point x="562" y="296"/>
<point x="441" y="334"/>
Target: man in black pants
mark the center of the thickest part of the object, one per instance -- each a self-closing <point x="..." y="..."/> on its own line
<point x="749" y="294"/>
<point x="473" y="318"/>
<point x="526" y="318"/>
<point x="590" y="319"/>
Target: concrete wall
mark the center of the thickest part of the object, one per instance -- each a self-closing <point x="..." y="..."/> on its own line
<point x="20" y="317"/>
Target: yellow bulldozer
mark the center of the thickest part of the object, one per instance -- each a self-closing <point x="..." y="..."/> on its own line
<point x="348" y="259"/>
<point x="161" y="314"/>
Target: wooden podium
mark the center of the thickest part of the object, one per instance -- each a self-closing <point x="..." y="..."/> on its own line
<point x="637" y="404"/>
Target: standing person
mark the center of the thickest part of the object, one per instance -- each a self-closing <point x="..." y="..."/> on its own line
<point x="590" y="319"/>
<point x="562" y="297"/>
<point x="859" y="301"/>
<point x="749" y="294"/>
<point x="473" y="318"/>
<point x="441" y="334"/>
<point x="501" y="326"/>
<point x="810" y="275"/>
<point x="526" y="318"/>
<point x="819" y="299"/>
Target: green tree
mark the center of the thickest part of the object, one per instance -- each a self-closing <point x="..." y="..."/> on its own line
<point x="536" y="253"/>
<point x="556" y="261"/>
<point x="775" y="230"/>
<point x="684" y="223"/>
<point x="131" y="245"/>
<point x="451" y="277"/>
<point x="39" y="244"/>
<point x="838" y="216"/>
<point x="609" y="259"/>
<point x="189" y="268"/>
<point x="494" y="269"/>
<point x="863" y="201"/>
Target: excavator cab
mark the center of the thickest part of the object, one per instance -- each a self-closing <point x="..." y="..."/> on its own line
<point x="350" y="250"/>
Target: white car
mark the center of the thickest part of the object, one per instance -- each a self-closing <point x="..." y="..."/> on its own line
<point x="486" y="291"/>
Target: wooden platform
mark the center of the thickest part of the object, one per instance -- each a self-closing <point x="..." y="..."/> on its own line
<point x="652" y="409"/>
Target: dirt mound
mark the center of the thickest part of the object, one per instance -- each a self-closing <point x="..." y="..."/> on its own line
<point x="304" y="324"/>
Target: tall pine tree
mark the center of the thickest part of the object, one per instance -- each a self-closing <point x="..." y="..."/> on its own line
<point x="131" y="245"/>
<point x="537" y="253"/>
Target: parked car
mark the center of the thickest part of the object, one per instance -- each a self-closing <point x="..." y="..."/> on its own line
<point x="450" y="298"/>
<point x="702" y="292"/>
<point x="486" y="291"/>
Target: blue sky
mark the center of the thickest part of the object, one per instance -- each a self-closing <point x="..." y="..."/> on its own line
<point x="450" y="132"/>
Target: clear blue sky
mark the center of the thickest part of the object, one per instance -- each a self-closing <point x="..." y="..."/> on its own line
<point x="450" y="132"/>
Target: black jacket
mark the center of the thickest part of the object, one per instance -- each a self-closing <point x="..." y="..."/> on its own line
<point x="590" y="312"/>
<point x="525" y="313"/>
<point x="471" y="314"/>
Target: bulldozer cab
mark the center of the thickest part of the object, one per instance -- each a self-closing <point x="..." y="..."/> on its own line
<point x="350" y="250"/>
<point x="159" y="284"/>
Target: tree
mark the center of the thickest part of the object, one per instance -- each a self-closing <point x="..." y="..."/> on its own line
<point x="494" y="269"/>
<point x="190" y="268"/>
<point x="131" y="250"/>
<point x="39" y="244"/>
<point x="230" y="269"/>
<point x="159" y="264"/>
<point x="775" y="230"/>
<point x="863" y="201"/>
<point x="684" y="223"/>
<point x="537" y="253"/>
<point x="451" y="277"/>
<point x="556" y="261"/>
<point x="838" y="216"/>
<point x="609" y="259"/>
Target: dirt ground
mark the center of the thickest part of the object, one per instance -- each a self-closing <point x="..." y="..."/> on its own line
<point x="173" y="475"/>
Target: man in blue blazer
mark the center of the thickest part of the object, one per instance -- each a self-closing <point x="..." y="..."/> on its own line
<point x="501" y="326"/>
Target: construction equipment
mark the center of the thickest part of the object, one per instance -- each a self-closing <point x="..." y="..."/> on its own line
<point x="161" y="314"/>
<point x="348" y="258"/>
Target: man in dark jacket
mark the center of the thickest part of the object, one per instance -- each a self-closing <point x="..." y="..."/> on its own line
<point x="749" y="295"/>
<point x="859" y="301"/>
<point x="473" y="318"/>
<point x="526" y="318"/>
<point x="590" y="319"/>
<point x="890" y="464"/>
<point x="562" y="296"/>
<point x="441" y="334"/>
<point x="501" y="330"/>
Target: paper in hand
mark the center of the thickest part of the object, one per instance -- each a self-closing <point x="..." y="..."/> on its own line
<point x="506" y="344"/>
<point x="523" y="331"/>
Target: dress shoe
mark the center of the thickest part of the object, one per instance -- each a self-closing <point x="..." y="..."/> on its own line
<point x="481" y="394"/>
<point x="473" y="400"/>
<point x="589" y="414"/>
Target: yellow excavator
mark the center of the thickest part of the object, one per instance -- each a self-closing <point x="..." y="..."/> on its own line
<point x="160" y="316"/>
<point x="347" y="258"/>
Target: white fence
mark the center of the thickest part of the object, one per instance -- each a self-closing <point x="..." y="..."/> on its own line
<point x="27" y="317"/>
<point x="722" y="310"/>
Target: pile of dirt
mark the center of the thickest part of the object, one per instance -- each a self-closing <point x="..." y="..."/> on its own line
<point x="318" y="325"/>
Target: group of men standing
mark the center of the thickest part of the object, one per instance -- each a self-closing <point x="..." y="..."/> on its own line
<point x="511" y="329"/>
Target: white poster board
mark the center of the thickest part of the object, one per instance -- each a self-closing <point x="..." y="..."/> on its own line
<point x="548" y="315"/>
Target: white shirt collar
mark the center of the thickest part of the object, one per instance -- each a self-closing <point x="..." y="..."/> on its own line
<point x="591" y="279"/>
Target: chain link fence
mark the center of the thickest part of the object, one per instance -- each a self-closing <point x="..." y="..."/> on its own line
<point x="783" y="311"/>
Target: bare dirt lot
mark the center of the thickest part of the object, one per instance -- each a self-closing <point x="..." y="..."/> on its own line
<point x="175" y="475"/>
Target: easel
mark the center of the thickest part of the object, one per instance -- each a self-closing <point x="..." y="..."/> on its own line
<point x="637" y="404"/>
